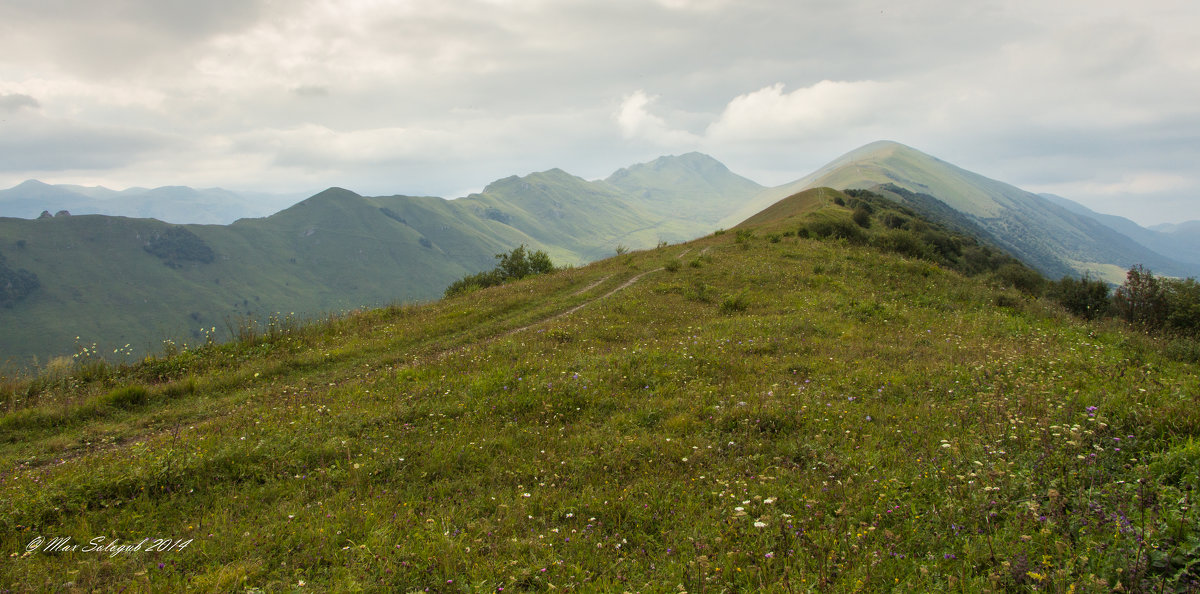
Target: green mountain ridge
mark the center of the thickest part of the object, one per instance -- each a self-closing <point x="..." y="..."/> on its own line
<point x="331" y="252"/>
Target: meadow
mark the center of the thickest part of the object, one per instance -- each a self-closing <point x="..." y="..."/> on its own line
<point x="750" y="411"/>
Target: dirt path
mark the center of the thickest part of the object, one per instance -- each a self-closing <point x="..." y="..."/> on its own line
<point x="591" y="286"/>
<point x="623" y="286"/>
<point x="313" y="388"/>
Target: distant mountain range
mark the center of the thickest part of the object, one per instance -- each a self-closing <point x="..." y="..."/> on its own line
<point x="140" y="280"/>
<point x="137" y="281"/>
<point x="172" y="204"/>
<point x="1180" y="241"/>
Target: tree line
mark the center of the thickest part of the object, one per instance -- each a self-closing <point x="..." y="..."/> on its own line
<point x="1154" y="303"/>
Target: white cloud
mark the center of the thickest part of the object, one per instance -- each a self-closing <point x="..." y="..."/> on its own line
<point x="637" y="123"/>
<point x="825" y="107"/>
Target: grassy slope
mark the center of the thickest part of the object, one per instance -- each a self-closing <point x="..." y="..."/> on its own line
<point x="746" y="411"/>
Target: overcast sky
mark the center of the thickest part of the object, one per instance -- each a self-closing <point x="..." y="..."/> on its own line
<point x="1095" y="100"/>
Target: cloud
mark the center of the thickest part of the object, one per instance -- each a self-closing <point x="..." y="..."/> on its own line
<point x="311" y="91"/>
<point x="117" y="37"/>
<point x="823" y="108"/>
<point x="637" y="123"/>
<point x="39" y="144"/>
<point x="434" y="96"/>
<point x="1138" y="182"/>
<point x="15" y="101"/>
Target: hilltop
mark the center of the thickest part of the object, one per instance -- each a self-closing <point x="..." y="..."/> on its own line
<point x="778" y="407"/>
<point x="1055" y="240"/>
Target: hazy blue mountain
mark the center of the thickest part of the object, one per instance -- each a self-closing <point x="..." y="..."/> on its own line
<point x="1186" y="226"/>
<point x="1178" y="241"/>
<point x="172" y="204"/>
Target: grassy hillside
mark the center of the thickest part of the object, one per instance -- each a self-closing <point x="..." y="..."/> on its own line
<point x="1048" y="237"/>
<point x="332" y="252"/>
<point x="750" y="411"/>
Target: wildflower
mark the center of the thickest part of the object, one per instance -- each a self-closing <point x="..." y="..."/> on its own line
<point x="760" y="524"/>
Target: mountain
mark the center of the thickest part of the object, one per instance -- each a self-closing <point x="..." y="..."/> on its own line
<point x="752" y="411"/>
<point x="119" y="281"/>
<point x="172" y="204"/>
<point x="694" y="186"/>
<point x="1179" y="241"/>
<point x="1053" y="239"/>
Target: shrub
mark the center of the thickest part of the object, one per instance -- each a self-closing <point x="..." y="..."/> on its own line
<point x="892" y="220"/>
<point x="837" y="229"/>
<point x="1183" y="305"/>
<point x="1184" y="350"/>
<point x="673" y="265"/>
<point x="734" y="303"/>
<point x="1083" y="297"/>
<point x="127" y="397"/>
<point x="177" y="245"/>
<point x="942" y="243"/>
<point x="902" y="242"/>
<point x="861" y="216"/>
<point x="514" y="265"/>
<point x="699" y="292"/>
<point x="1021" y="278"/>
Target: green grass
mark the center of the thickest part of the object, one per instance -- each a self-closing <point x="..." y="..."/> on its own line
<point x="784" y="415"/>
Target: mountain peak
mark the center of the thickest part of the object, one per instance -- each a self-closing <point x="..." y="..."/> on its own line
<point x="690" y="162"/>
<point x="694" y="183"/>
<point x="31" y="184"/>
<point x="334" y="193"/>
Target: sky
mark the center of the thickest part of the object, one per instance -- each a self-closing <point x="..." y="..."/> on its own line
<point x="1094" y="100"/>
